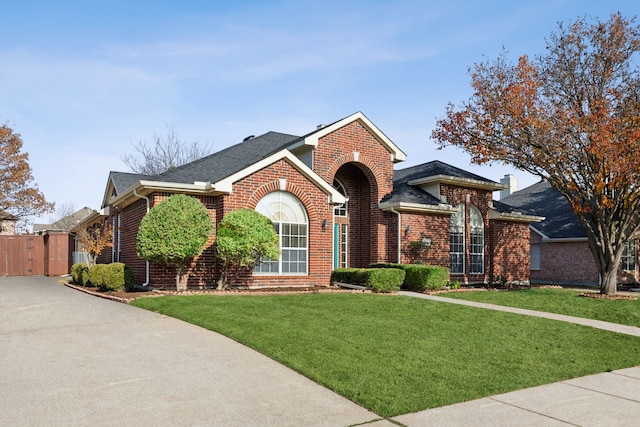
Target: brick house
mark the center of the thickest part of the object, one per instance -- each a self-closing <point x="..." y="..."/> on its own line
<point x="336" y="201"/>
<point x="559" y="246"/>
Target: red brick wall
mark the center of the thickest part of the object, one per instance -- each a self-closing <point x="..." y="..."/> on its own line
<point x="434" y="227"/>
<point x="130" y="218"/>
<point x="248" y="192"/>
<point x="506" y="243"/>
<point x="373" y="162"/>
<point x="199" y="273"/>
<point x="564" y="262"/>
<point x="510" y="250"/>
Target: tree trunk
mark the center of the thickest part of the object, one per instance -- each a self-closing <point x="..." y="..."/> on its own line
<point x="609" y="280"/>
<point x="179" y="279"/>
<point x="222" y="282"/>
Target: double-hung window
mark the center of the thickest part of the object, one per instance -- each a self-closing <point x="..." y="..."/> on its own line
<point x="456" y="243"/>
<point x="477" y="240"/>
<point x="629" y="255"/>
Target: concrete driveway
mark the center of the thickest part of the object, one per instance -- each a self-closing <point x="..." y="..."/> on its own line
<point x="68" y="358"/>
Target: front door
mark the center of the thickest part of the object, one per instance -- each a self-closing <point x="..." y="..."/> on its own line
<point x="340" y="243"/>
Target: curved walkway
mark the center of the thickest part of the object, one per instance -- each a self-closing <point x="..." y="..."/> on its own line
<point x="598" y="324"/>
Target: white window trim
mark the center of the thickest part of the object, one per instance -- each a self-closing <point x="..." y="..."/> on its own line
<point x="460" y="209"/>
<point x="280" y="227"/>
<point x="471" y="229"/>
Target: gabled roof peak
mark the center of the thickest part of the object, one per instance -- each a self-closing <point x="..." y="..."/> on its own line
<point x="313" y="137"/>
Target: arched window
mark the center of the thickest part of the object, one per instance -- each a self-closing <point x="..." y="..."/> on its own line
<point x="290" y="222"/>
<point x="456" y="246"/>
<point x="477" y="240"/>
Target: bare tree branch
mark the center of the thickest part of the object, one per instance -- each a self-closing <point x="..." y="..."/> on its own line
<point x="164" y="153"/>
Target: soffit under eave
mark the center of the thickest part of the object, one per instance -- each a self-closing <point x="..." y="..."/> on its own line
<point x="455" y="181"/>
<point x="417" y="208"/>
<point x="143" y="189"/>
<point x="514" y="217"/>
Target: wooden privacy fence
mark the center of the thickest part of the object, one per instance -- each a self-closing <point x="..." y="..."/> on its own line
<point x="35" y="255"/>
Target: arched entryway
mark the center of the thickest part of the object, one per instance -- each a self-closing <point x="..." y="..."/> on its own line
<point x="353" y="221"/>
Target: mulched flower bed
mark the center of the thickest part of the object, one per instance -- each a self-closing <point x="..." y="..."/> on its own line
<point x="126" y="297"/>
<point x="609" y="297"/>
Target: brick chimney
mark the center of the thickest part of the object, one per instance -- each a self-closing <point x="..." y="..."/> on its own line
<point x="512" y="185"/>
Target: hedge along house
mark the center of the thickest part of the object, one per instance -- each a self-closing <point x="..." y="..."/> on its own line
<point x="335" y="201"/>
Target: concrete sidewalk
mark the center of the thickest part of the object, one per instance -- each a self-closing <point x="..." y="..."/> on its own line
<point x="609" y="400"/>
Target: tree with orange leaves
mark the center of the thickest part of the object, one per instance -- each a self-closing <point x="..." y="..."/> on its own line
<point x="94" y="239"/>
<point x="570" y="116"/>
<point x="18" y="194"/>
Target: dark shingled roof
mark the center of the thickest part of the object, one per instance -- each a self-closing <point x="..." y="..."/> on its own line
<point x="505" y="208"/>
<point x="123" y="180"/>
<point x="216" y="166"/>
<point x="233" y="159"/>
<point x="543" y="200"/>
<point x="437" y="167"/>
<point x="405" y="193"/>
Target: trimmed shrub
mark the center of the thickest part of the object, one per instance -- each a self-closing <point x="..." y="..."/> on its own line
<point x="420" y="278"/>
<point x="97" y="274"/>
<point x="385" y="279"/>
<point x="417" y="278"/>
<point x="375" y="279"/>
<point x="118" y="276"/>
<point x="353" y="276"/>
<point x="78" y="271"/>
<point x="438" y="277"/>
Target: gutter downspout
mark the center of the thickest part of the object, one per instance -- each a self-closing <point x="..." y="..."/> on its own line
<point x="135" y="193"/>
<point x="399" y="233"/>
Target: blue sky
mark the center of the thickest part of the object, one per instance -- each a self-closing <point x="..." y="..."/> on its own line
<point x="82" y="80"/>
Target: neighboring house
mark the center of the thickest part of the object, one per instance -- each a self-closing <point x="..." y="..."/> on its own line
<point x="335" y="201"/>
<point x="7" y="223"/>
<point x="64" y="224"/>
<point x="559" y="246"/>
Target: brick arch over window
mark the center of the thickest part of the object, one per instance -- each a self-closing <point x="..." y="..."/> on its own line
<point x="370" y="169"/>
<point x="272" y="186"/>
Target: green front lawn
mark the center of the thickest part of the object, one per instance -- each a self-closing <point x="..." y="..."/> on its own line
<point x="396" y="355"/>
<point x="560" y="301"/>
